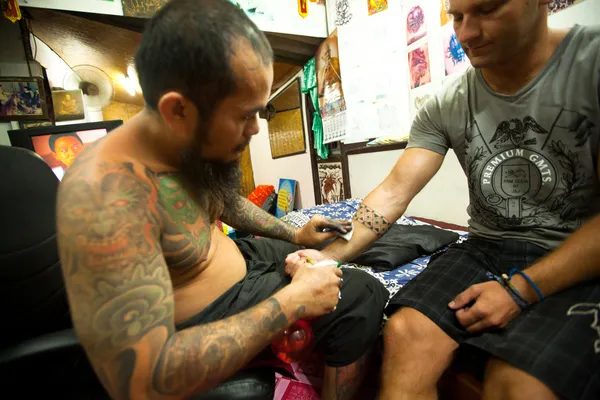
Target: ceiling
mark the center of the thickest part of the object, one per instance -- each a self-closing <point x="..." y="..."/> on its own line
<point x="109" y="43"/>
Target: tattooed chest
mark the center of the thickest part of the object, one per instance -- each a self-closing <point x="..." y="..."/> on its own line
<point x="185" y="237"/>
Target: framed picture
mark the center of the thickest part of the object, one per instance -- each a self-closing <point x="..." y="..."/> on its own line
<point x="22" y="98"/>
<point x="68" y="105"/>
<point x="34" y="124"/>
<point x="286" y="128"/>
<point x="331" y="182"/>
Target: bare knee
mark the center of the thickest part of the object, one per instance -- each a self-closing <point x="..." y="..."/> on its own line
<point x="504" y="381"/>
<point x="410" y="329"/>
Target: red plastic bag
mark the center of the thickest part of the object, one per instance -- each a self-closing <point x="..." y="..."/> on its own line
<point x="260" y="194"/>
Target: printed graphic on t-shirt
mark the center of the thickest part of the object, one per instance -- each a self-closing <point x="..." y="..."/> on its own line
<point x="529" y="171"/>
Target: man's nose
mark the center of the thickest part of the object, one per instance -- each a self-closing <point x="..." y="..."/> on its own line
<point x="468" y="31"/>
<point x="252" y="127"/>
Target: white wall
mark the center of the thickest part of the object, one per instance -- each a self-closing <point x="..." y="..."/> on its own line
<point x="584" y="13"/>
<point x="13" y="63"/>
<point x="267" y="171"/>
<point x="445" y="198"/>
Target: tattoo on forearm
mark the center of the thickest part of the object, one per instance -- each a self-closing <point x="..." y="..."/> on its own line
<point x="372" y="220"/>
<point x="211" y="353"/>
<point x="110" y="223"/>
<point x="249" y="218"/>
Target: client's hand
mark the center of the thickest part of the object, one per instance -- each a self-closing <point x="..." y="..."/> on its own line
<point x="318" y="289"/>
<point x="313" y="233"/>
<point x="484" y="306"/>
<point x="301" y="257"/>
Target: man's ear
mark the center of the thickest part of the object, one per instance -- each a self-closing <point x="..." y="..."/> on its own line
<point x="179" y="113"/>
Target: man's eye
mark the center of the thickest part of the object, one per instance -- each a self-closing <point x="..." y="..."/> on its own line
<point x="488" y="10"/>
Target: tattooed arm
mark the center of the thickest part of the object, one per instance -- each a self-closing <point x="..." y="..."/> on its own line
<point x="249" y="218"/>
<point x="121" y="296"/>
<point x="384" y="205"/>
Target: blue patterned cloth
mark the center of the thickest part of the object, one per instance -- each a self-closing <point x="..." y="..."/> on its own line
<point x="393" y="280"/>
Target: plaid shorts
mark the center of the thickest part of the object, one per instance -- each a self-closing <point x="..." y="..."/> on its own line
<point x="557" y="341"/>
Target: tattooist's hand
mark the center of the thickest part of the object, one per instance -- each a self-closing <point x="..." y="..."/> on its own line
<point x="484" y="306"/>
<point x="313" y="233"/>
<point x="301" y="257"/>
<point x="318" y="289"/>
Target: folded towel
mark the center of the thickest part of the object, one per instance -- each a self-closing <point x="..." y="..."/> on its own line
<point x="404" y="243"/>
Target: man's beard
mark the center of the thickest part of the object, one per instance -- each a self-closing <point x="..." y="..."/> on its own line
<point x="213" y="184"/>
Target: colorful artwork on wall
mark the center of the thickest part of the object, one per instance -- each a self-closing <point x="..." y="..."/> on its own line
<point x="376" y="6"/>
<point x="22" y="99"/>
<point x="331" y="182"/>
<point x="418" y="66"/>
<point x="416" y="26"/>
<point x="286" y="196"/>
<point x="455" y="58"/>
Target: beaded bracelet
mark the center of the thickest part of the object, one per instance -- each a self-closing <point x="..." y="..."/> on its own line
<point x="511" y="289"/>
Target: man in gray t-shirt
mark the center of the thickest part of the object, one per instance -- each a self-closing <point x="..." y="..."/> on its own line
<point x="530" y="156"/>
<point x="524" y="123"/>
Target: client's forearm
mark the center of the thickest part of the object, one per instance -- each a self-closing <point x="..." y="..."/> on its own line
<point x="247" y="217"/>
<point x="375" y="216"/>
<point x="198" y="358"/>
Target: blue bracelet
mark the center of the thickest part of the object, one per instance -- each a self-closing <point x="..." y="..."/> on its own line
<point x="528" y="279"/>
<point x="512" y="291"/>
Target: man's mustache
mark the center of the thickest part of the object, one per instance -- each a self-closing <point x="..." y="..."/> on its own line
<point x="242" y="146"/>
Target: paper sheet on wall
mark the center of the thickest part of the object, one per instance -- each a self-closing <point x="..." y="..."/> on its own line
<point x="332" y="103"/>
<point x="374" y="85"/>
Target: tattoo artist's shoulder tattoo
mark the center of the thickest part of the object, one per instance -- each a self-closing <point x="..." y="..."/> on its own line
<point x="372" y="220"/>
<point x="185" y="236"/>
<point x="120" y="292"/>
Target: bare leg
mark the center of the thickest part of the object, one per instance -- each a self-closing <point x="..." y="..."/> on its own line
<point x="344" y="382"/>
<point x="503" y="381"/>
<point x="416" y="354"/>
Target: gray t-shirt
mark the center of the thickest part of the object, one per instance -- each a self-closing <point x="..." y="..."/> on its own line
<point x="530" y="158"/>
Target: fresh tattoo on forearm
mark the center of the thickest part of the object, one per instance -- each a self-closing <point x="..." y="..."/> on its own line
<point x="372" y="220"/>
<point x="246" y="216"/>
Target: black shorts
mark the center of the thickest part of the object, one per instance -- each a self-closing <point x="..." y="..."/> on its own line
<point x="557" y="341"/>
<point x="343" y="335"/>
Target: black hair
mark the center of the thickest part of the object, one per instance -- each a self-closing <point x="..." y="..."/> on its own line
<point x="56" y="136"/>
<point x="187" y="46"/>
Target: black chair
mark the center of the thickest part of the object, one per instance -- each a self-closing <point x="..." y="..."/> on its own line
<point x="40" y="355"/>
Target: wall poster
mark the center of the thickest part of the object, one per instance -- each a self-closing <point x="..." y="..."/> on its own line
<point x="332" y="105"/>
<point x="331" y="182"/>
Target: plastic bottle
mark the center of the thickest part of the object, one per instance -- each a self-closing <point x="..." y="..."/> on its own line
<point x="295" y="343"/>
